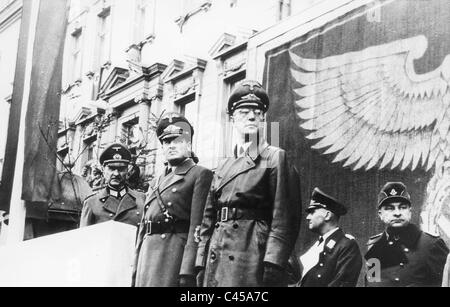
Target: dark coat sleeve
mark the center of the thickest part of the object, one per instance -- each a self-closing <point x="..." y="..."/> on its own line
<point x="87" y="216"/>
<point x="199" y="195"/>
<point x="348" y="266"/>
<point x="206" y="230"/>
<point x="436" y="261"/>
<point x="285" y="226"/>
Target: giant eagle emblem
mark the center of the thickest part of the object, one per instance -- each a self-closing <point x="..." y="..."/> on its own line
<point x="372" y="110"/>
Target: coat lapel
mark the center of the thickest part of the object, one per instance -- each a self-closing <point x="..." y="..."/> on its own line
<point x="109" y="203"/>
<point x="239" y="166"/>
<point x="128" y="202"/>
<point x="165" y="182"/>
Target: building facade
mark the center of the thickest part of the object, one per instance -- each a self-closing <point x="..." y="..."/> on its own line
<point x="128" y="62"/>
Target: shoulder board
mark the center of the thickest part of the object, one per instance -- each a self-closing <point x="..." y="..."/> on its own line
<point x="432" y="234"/>
<point x="374" y="238"/>
<point x="349" y="236"/>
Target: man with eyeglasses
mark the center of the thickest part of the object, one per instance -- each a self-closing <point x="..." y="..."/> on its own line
<point x="403" y="255"/>
<point x="251" y="217"/>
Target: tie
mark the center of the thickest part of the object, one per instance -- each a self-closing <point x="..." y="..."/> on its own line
<point x="168" y="170"/>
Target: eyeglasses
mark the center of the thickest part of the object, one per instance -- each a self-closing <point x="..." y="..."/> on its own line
<point x="244" y="112"/>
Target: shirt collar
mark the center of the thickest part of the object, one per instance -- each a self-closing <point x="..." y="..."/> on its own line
<point x="329" y="233"/>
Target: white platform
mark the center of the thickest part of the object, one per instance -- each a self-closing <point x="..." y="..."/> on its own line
<point x="96" y="256"/>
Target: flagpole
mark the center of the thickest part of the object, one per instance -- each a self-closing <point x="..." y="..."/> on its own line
<point x="17" y="214"/>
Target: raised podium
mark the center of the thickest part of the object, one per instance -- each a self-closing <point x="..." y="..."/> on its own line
<point x="97" y="256"/>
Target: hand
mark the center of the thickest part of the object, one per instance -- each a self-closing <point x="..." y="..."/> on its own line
<point x="187" y="281"/>
<point x="274" y="276"/>
<point x="200" y="277"/>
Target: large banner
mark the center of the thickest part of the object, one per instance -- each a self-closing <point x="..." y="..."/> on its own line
<point x="365" y="100"/>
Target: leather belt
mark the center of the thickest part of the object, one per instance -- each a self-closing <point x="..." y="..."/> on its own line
<point x="227" y="213"/>
<point x="152" y="228"/>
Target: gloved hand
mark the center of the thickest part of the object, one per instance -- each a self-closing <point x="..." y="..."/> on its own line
<point x="200" y="277"/>
<point x="274" y="276"/>
<point x="187" y="281"/>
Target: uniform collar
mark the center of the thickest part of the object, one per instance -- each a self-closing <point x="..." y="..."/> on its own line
<point x="408" y="235"/>
<point x="252" y="149"/>
<point x="184" y="167"/>
<point x="119" y="194"/>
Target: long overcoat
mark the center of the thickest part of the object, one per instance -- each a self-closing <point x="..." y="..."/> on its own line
<point x="260" y="188"/>
<point x="102" y="207"/>
<point x="162" y="258"/>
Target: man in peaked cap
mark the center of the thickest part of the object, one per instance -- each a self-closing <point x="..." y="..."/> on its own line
<point x="334" y="260"/>
<point x="403" y="255"/>
<point x="168" y="235"/>
<point x="116" y="201"/>
<point x="251" y="219"/>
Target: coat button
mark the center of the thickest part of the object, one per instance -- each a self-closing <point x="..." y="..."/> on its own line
<point x="217" y="225"/>
<point x="406" y="250"/>
<point x="111" y="215"/>
<point x="174" y="190"/>
<point x="231" y="258"/>
<point x="402" y="264"/>
<point x="148" y="206"/>
<point x="391" y="243"/>
<point x="397" y="279"/>
<point x="169" y="204"/>
<point x="137" y="213"/>
<point x="321" y="264"/>
<point x="319" y="276"/>
<point x="213" y="256"/>
<point x="163" y="236"/>
<point x="235" y="226"/>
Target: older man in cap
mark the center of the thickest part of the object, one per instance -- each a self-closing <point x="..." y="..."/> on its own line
<point x="116" y="201"/>
<point x="403" y="255"/>
<point x="251" y="220"/>
<point x="334" y="260"/>
<point x="169" y="233"/>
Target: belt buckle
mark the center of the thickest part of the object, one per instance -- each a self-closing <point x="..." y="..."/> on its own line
<point x="224" y="214"/>
<point x="149" y="228"/>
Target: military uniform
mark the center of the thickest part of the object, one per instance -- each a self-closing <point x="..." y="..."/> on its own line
<point x="403" y="256"/>
<point x="335" y="259"/>
<point x="124" y="206"/>
<point x="414" y="259"/>
<point x="168" y="236"/>
<point x="251" y="215"/>
<point x="104" y="207"/>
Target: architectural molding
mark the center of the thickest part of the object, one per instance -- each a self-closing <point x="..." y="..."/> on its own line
<point x="224" y="42"/>
<point x="181" y="20"/>
<point x="9" y="14"/>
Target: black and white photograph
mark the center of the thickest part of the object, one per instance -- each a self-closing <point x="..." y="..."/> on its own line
<point x="225" y="144"/>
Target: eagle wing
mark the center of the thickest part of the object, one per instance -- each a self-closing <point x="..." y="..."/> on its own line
<point x="371" y="109"/>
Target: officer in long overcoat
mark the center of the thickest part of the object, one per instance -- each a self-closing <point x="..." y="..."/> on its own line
<point x="251" y="220"/>
<point x="334" y="260"/>
<point x="116" y="202"/>
<point x="169" y="233"/>
<point x="403" y="255"/>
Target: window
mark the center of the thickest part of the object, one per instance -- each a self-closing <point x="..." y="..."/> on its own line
<point x="103" y="37"/>
<point x="76" y="54"/>
<point x="230" y="84"/>
<point x="131" y="133"/>
<point x="143" y="28"/>
<point x="284" y="9"/>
